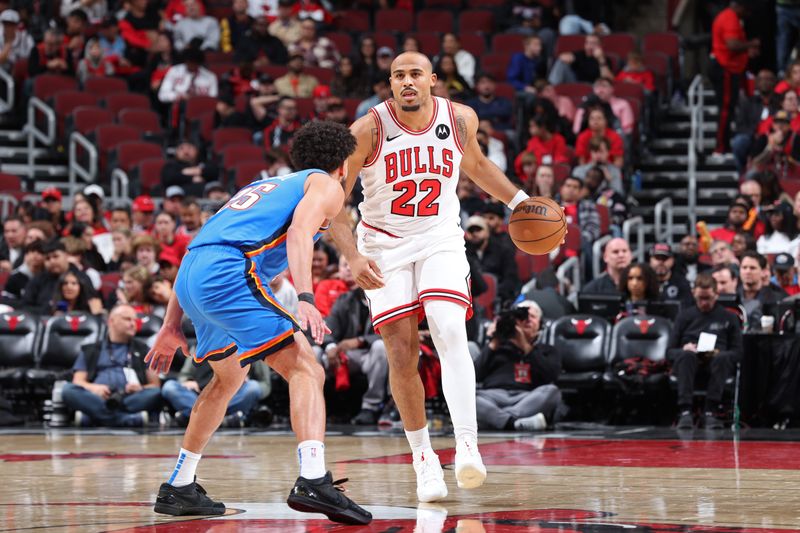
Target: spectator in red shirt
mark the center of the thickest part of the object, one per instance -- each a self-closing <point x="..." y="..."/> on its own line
<point x="738" y="213"/>
<point x="636" y="72"/>
<point x="164" y="232"/>
<point x="548" y="146"/>
<point x="139" y="29"/>
<point x="730" y="51"/>
<point x="328" y="290"/>
<point x="278" y="134"/>
<point x="789" y="103"/>
<point x="791" y="80"/>
<point x="598" y="127"/>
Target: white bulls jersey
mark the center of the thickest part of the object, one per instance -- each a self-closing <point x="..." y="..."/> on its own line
<point x="410" y="181"/>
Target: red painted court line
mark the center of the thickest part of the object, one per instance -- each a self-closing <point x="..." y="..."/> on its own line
<point x="628" y="453"/>
<point x="24" y="457"/>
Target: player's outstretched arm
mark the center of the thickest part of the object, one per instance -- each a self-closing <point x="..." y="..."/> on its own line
<point x="170" y="337"/>
<point x="323" y="200"/>
<point x="483" y="172"/>
<point x="365" y="271"/>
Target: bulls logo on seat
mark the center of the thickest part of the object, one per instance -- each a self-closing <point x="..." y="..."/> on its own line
<point x="644" y="325"/>
<point x="13" y="320"/>
<point x="580" y="324"/>
<point x="75" y="322"/>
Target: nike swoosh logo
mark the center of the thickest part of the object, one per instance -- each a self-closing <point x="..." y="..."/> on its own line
<point x="390" y="139"/>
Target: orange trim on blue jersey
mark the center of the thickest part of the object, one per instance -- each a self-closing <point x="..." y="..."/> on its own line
<point x="377" y="152"/>
<point x="406" y="128"/>
<point x="214" y="352"/>
<point x="277" y="241"/>
<point x="267" y="345"/>
<point x="265" y="294"/>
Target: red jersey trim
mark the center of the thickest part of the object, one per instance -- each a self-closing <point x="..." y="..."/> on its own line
<point x="379" y="230"/>
<point x="407" y="129"/>
<point x="452" y="113"/>
<point x="377" y="152"/>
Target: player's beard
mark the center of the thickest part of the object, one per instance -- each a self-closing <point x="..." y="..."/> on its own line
<point x="410" y="108"/>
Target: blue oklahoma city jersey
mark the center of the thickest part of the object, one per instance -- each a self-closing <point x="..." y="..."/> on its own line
<point x="255" y="221"/>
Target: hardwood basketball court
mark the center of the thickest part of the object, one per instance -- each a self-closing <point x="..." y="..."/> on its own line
<point x="595" y="480"/>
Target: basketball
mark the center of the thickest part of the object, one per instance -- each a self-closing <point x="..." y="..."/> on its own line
<point x="537" y="225"/>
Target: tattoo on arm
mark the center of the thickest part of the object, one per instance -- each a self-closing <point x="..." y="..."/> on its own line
<point x="461" y="126"/>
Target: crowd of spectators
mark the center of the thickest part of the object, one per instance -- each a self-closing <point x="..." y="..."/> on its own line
<point x="272" y="65"/>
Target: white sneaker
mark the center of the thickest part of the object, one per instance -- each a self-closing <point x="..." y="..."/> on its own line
<point x="430" y="518"/>
<point x="470" y="472"/>
<point x="536" y="422"/>
<point x="430" y="478"/>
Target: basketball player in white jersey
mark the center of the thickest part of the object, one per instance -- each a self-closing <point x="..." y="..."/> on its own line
<point x="410" y="256"/>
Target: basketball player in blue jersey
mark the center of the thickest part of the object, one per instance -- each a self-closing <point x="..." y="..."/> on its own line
<point x="222" y="285"/>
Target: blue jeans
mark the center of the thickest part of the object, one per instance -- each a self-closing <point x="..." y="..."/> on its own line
<point x="80" y="399"/>
<point x="182" y="399"/>
<point x="740" y="146"/>
<point x="788" y="22"/>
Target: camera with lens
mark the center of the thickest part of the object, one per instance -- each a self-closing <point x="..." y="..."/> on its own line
<point x="506" y="327"/>
<point x="114" y="402"/>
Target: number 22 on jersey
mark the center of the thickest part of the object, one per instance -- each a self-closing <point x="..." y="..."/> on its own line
<point x="426" y="207"/>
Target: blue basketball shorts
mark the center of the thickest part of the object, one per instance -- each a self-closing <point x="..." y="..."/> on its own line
<point x="233" y="310"/>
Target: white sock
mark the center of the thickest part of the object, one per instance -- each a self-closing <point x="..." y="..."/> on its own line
<point x="311" y="456"/>
<point x="449" y="333"/>
<point x="184" y="469"/>
<point x="419" y="440"/>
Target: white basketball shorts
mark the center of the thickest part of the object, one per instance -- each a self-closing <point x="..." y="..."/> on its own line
<point x="415" y="269"/>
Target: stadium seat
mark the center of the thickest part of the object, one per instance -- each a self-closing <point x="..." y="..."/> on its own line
<point x="145" y="120"/>
<point x="487" y="299"/>
<point x="343" y="42"/>
<point x="323" y="75"/>
<point x="507" y="43"/>
<point x="86" y="119"/>
<point x="619" y="43"/>
<point x="440" y="20"/>
<point x="472" y="4"/>
<point x="65" y="103"/>
<point x="476" y="21"/>
<point x="61" y="344"/>
<point x="383" y="38"/>
<point x="574" y="91"/>
<point x="351" y="105"/>
<point x="354" y="20"/>
<point x="109" y="282"/>
<point x="582" y="341"/>
<point x="659" y="64"/>
<point x="19" y="336"/>
<point x="605" y="218"/>
<point x="129" y="154"/>
<point x="569" y="43"/>
<point x="394" y="20"/>
<point x="47" y="85"/>
<point x="116" y="102"/>
<point x="108" y="137"/>
<point x="102" y="86"/>
<point x="444" y="4"/>
<point x="238" y="153"/>
<point x="667" y="43"/>
<point x="215" y="56"/>
<point x="505" y="90"/>
<point x="147" y="327"/>
<point x="430" y="42"/>
<point x="474" y="43"/>
<point x="148" y="172"/>
<point x="305" y="107"/>
<point x="623" y="89"/>
<point x="495" y="64"/>
<point x="10" y="182"/>
<point x="639" y="336"/>
<point x="560" y="173"/>
<point x="247" y="172"/>
<point x="222" y="137"/>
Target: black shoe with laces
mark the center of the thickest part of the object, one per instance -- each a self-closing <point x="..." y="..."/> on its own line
<point x="188" y="500"/>
<point x="685" y="420"/>
<point x="323" y="495"/>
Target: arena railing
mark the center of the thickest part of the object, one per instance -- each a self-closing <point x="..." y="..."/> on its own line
<point x="76" y="168"/>
<point x="597" y="254"/>
<point x="571" y="268"/>
<point x="696" y="108"/>
<point x="7" y="102"/>
<point x="628" y="227"/>
<point x="8" y="205"/>
<point x="120" y="187"/>
<point x="664" y="222"/>
<point x="46" y="136"/>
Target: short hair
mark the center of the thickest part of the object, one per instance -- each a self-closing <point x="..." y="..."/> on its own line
<point x="530" y="304"/>
<point x="527" y="157"/>
<point x="79" y="14"/>
<point x="762" y="261"/>
<point x="54" y="245"/>
<point x="485" y="76"/>
<point x="322" y="144"/>
<point x="36" y="246"/>
<point x="704" y="280"/>
<point x="140" y="274"/>
<point x="74" y="245"/>
<point x="145" y="240"/>
<point x="189" y="201"/>
<point x="573" y="178"/>
<point x="724" y="266"/>
<point x="596" y="142"/>
<point x="45" y="226"/>
<point x="12" y="218"/>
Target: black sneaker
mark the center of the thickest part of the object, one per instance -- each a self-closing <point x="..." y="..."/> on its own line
<point x="322" y="495"/>
<point x="712" y="422"/>
<point x="685" y="420"/>
<point x="188" y="500"/>
<point x="365" y="417"/>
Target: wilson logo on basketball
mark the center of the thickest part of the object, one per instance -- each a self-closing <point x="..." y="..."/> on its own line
<point x="532" y="210"/>
<point x="410" y="161"/>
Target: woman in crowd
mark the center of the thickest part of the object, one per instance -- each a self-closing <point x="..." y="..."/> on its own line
<point x="743" y="242"/>
<point x="122" y="258"/>
<point x="84" y="211"/>
<point x="447" y="71"/>
<point x="135" y="289"/>
<point x="146" y="249"/>
<point x="781" y="232"/>
<point x="638" y="283"/>
<point x="598" y="127"/>
<point x="349" y="81"/>
<point x="72" y="294"/>
<point x="544" y="183"/>
<point x="164" y="232"/>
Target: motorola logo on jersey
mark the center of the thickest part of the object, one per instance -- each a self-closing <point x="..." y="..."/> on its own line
<point x="442" y="131"/>
<point x="418" y="160"/>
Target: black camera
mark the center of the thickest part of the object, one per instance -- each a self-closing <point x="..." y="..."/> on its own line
<point x="114" y="402"/>
<point x="506" y="327"/>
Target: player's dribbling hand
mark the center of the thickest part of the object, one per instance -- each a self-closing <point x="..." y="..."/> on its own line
<point x="310" y="318"/>
<point x="366" y="273"/>
<point x="167" y="343"/>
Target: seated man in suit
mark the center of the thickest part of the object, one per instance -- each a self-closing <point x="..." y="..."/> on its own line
<point x="706" y="336"/>
<point x="111" y="386"/>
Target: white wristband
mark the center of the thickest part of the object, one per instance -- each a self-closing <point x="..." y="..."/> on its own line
<point x="521" y="196"/>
